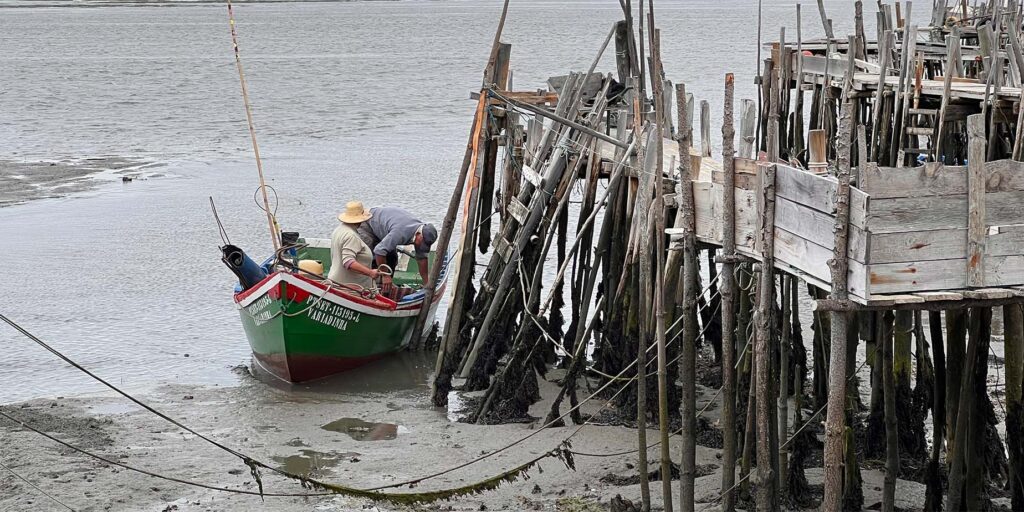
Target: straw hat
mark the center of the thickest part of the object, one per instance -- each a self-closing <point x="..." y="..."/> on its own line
<point x="354" y="213"/>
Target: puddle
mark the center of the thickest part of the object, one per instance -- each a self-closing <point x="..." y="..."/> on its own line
<point x="363" y="430"/>
<point x="313" y="463"/>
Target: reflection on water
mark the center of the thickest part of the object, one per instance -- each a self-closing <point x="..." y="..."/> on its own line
<point x="313" y="463"/>
<point x="363" y="430"/>
<point x="401" y="374"/>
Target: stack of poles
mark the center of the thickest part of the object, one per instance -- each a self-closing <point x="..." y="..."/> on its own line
<point x="632" y="291"/>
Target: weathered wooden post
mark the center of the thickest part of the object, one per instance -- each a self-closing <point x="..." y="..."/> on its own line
<point x="687" y="359"/>
<point x="766" y="495"/>
<point x="728" y="291"/>
<point x="658" y="233"/>
<point x="933" y="480"/>
<point x="442" y="382"/>
<point x="784" y="348"/>
<point x="835" y="417"/>
<point x="1013" y="320"/>
<point x="892" y="448"/>
<point x="748" y="126"/>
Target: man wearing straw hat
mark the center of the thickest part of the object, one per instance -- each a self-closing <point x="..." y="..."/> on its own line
<point x="351" y="258"/>
<point x="390" y="227"/>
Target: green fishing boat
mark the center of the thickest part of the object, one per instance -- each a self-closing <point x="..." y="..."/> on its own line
<point x="302" y="326"/>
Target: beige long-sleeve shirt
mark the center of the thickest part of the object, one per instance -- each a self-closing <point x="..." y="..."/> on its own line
<point x="347" y="247"/>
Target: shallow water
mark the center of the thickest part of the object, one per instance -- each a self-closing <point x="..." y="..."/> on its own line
<point x="352" y="101"/>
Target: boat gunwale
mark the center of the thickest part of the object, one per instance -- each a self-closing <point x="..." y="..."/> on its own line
<point x="342" y="296"/>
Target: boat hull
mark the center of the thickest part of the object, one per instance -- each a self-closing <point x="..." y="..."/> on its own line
<point x="301" y="330"/>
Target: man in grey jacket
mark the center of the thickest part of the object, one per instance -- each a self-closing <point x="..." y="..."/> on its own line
<point x="390" y="227"/>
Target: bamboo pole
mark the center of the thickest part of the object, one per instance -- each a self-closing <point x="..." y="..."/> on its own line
<point x="728" y="292"/>
<point x="271" y="221"/>
<point x="835" y="420"/>
<point x="687" y="360"/>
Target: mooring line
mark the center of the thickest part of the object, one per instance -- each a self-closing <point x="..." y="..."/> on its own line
<point x="561" y="452"/>
<point x="143" y="471"/>
<point x="34" y="486"/>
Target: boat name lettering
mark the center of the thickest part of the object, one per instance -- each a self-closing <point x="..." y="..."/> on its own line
<point x="259" y="310"/>
<point x="330" y="314"/>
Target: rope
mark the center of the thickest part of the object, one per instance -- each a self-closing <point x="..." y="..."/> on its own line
<point x="143" y="471"/>
<point x="373" y="494"/>
<point x="220" y="226"/>
<point x="404" y="498"/>
<point x="34" y="486"/>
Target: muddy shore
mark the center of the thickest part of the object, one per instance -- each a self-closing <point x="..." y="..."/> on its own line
<point x="22" y="181"/>
<point x="362" y="436"/>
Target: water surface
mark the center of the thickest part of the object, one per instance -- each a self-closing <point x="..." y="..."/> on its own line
<point x="357" y="100"/>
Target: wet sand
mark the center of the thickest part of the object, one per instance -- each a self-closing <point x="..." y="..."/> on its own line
<point x="25" y="181"/>
<point x="375" y="433"/>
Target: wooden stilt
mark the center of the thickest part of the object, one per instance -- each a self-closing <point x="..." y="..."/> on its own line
<point x="766" y="495"/>
<point x="892" y="448"/>
<point x="687" y="360"/>
<point x="1013" y="329"/>
<point x="728" y="292"/>
<point x="835" y="415"/>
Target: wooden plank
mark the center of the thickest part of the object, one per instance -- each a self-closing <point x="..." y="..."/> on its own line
<point x="988" y="293"/>
<point x="502" y="248"/>
<point x="941" y="244"/>
<point x="532" y="176"/>
<point x="938" y="180"/>
<point x="518" y="210"/>
<point x="1004" y="270"/>
<point x="976" y="201"/>
<point x="942" y="275"/>
<point x="893" y="299"/>
<point x="743" y="181"/>
<point x="708" y="206"/>
<point x="814" y="64"/>
<point x="916" y="276"/>
<point x="819" y="193"/>
<point x="808" y="258"/>
<point x="818" y="227"/>
<point x="937" y="296"/>
<point x="746" y="218"/>
<point x="926" y="213"/>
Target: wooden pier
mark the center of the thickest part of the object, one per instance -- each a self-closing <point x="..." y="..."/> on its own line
<point x="886" y="174"/>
